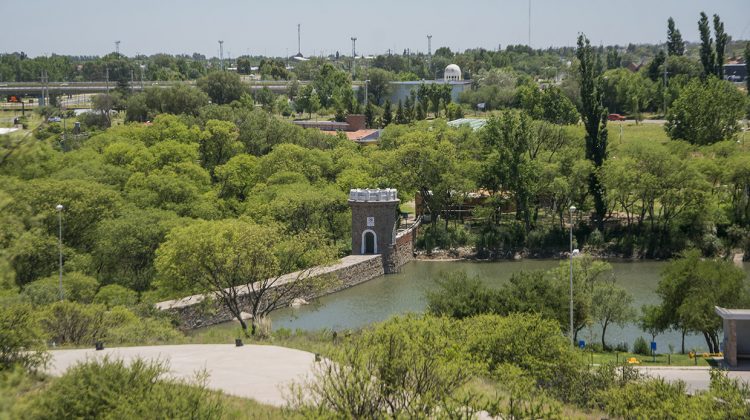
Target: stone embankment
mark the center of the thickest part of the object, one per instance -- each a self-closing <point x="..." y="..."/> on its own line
<point x="203" y="310"/>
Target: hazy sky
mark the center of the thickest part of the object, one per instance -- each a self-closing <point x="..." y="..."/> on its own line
<point x="270" y="27"/>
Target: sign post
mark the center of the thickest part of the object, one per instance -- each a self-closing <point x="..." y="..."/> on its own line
<point x="653" y="351"/>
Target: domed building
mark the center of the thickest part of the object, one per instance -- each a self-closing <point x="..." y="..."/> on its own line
<point x="452" y="73"/>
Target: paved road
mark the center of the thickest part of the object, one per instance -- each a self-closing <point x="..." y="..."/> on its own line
<point x="696" y="378"/>
<point x="262" y="373"/>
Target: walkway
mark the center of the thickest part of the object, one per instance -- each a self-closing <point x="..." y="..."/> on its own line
<point x="262" y="373"/>
<point x="696" y="378"/>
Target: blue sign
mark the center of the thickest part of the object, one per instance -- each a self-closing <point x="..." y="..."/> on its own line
<point x="581" y="344"/>
<point x="653" y="346"/>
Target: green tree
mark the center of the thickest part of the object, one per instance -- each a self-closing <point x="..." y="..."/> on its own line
<point x="379" y="85"/>
<point x="721" y="43"/>
<point x="707" y="53"/>
<point x="369" y="115"/>
<point x="611" y="304"/>
<point x="691" y="287"/>
<point x="594" y="117"/>
<point x="706" y="112"/>
<point x="219" y="143"/>
<point x="125" y="247"/>
<point x="77" y="287"/>
<point x="222" y="87"/>
<point x="387" y="113"/>
<point x="400" y="116"/>
<point x="675" y="44"/>
<point x="113" y="295"/>
<point x="242" y="263"/>
<point x="266" y="98"/>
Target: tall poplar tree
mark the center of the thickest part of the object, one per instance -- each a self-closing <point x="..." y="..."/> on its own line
<point x="675" y="44"/>
<point x="721" y="42"/>
<point x="594" y="116"/>
<point x="747" y="66"/>
<point x="708" y="57"/>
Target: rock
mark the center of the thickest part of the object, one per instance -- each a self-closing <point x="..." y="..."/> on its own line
<point x="297" y="302"/>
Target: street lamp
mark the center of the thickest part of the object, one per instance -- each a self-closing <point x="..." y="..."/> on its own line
<point x="59" y="209"/>
<point x="572" y="210"/>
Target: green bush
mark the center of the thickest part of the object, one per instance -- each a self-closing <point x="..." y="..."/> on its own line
<point x="113" y="390"/>
<point x="70" y="322"/>
<point x="529" y="341"/>
<point x="77" y="287"/>
<point x="146" y="331"/>
<point x="459" y="296"/>
<point x="641" y="347"/>
<point x="116" y="295"/>
<point x="21" y="339"/>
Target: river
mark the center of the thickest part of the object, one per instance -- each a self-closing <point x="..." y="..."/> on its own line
<point x="382" y="297"/>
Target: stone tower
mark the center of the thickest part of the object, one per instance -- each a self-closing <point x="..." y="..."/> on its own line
<point x="374" y="217"/>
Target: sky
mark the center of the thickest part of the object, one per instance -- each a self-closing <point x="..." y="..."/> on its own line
<point x="79" y="27"/>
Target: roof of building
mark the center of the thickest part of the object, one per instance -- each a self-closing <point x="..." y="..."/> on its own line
<point x="474" y="123"/>
<point x="364" y="136"/>
<point x="736" y="314"/>
<point x="376" y="194"/>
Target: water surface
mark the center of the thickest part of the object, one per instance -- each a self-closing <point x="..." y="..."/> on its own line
<point x="382" y="297"/>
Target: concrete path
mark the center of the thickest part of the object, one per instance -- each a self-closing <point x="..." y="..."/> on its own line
<point x="262" y="373"/>
<point x="696" y="378"/>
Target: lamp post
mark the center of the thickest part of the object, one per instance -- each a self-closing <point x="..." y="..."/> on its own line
<point x="59" y="209"/>
<point x="572" y="335"/>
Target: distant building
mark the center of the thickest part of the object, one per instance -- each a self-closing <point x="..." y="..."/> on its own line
<point x="735" y="72"/>
<point x="451" y="76"/>
<point x="354" y="128"/>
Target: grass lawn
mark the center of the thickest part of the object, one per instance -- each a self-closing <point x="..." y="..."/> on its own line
<point x="660" y="359"/>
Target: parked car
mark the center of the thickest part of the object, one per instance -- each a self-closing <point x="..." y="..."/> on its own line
<point x="54" y="119"/>
<point x="616" y="117"/>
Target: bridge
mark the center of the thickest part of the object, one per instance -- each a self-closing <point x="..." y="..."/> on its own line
<point x="75" y="88"/>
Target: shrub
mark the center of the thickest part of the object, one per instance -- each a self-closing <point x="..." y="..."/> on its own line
<point x="21" y="339"/>
<point x="407" y="367"/>
<point x="641" y="347"/>
<point x="75" y="323"/>
<point x="146" y="331"/>
<point x="622" y="347"/>
<point x="114" y="295"/>
<point x="112" y="389"/>
<point x="77" y="287"/>
<point x="459" y="296"/>
<point x="529" y="341"/>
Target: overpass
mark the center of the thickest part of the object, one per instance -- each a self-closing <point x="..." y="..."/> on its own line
<point x="75" y="88"/>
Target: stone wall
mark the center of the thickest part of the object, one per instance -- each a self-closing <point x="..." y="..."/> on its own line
<point x="402" y="251"/>
<point x="202" y="310"/>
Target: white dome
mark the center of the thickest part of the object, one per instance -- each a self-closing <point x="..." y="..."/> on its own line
<point x="452" y="72"/>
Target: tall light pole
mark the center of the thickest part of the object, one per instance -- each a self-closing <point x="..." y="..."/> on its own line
<point x="59" y="209"/>
<point x="221" y="54"/>
<point x="354" y="54"/>
<point x="117" y="48"/>
<point x="572" y="335"/>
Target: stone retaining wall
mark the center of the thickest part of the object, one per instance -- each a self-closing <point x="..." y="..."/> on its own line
<point x="202" y="310"/>
<point x="402" y="251"/>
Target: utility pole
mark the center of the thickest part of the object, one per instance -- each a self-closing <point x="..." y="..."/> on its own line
<point x="117" y="48"/>
<point x="354" y="54"/>
<point x="429" y="53"/>
<point x="221" y="54"/>
<point x="529" y="23"/>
